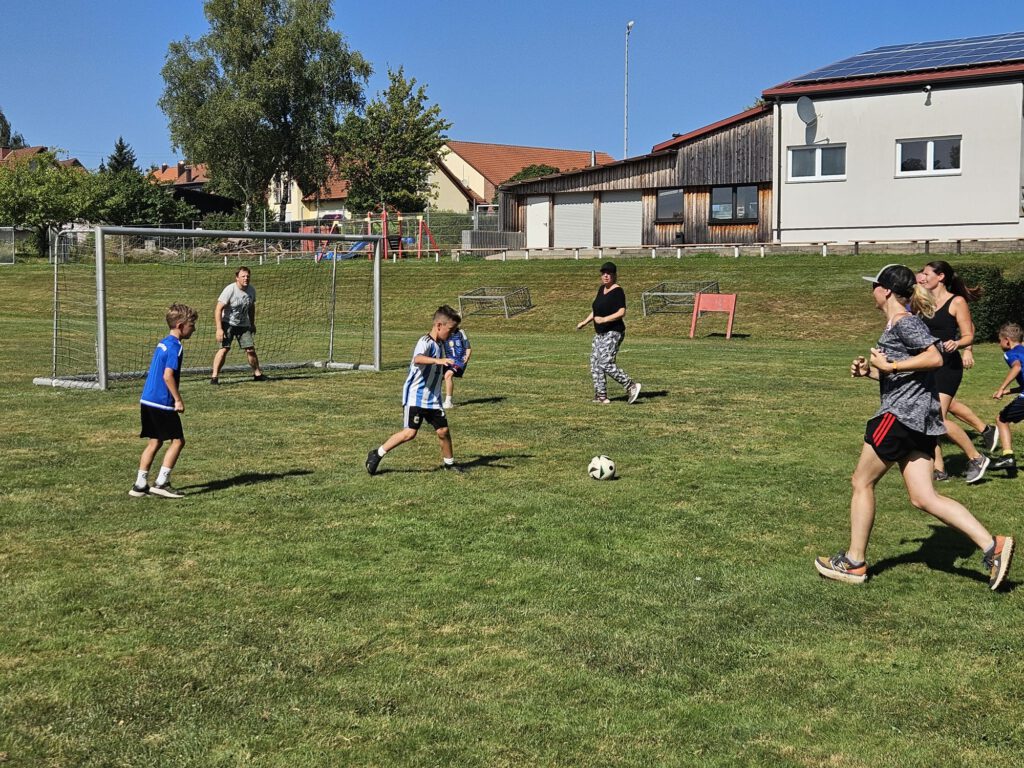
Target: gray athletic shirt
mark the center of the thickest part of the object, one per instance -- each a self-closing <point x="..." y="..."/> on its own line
<point x="236" y="304"/>
<point x="910" y="396"/>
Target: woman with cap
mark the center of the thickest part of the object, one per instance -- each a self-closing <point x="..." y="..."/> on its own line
<point x="905" y="430"/>
<point x="953" y="326"/>
<point x="606" y="314"/>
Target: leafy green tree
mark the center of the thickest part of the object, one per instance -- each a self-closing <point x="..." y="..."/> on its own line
<point x="8" y="139"/>
<point x="121" y="159"/>
<point x="532" y="172"/>
<point x="259" y="95"/>
<point x="127" y="197"/>
<point x="40" y="193"/>
<point x="388" y="153"/>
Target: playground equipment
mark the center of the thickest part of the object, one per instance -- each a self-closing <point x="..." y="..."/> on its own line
<point x="398" y="244"/>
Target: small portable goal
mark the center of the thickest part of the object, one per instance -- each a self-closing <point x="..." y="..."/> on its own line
<point x="495" y="300"/>
<point x="675" y="296"/>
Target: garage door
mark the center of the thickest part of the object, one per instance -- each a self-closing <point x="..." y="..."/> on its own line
<point x="622" y="216"/>
<point x="574" y="220"/>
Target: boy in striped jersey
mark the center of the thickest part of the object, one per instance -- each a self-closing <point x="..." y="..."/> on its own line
<point x="421" y="395"/>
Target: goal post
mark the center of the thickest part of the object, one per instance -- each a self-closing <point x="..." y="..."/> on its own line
<point x="317" y="305"/>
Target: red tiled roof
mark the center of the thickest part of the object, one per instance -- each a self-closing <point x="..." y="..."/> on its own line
<point x="11" y="155"/>
<point x="180" y="173"/>
<point x="497" y="163"/>
<point x="676" y="141"/>
<point x="336" y="188"/>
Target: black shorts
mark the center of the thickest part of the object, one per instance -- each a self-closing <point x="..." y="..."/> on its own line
<point x="948" y="378"/>
<point x="1014" y="412"/>
<point x="893" y="442"/>
<point x="415" y="416"/>
<point x="456" y="371"/>
<point x="158" y="424"/>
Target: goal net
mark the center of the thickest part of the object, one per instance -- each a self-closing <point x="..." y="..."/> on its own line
<point x="317" y="304"/>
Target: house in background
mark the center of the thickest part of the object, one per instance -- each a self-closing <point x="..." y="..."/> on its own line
<point x="8" y="155"/>
<point x="918" y="141"/>
<point x="188" y="183"/>
<point x="712" y="185"/>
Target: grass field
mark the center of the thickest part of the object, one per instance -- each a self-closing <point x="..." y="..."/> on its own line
<point x="293" y="611"/>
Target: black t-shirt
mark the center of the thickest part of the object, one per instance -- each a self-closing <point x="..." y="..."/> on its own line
<point x="608" y="304"/>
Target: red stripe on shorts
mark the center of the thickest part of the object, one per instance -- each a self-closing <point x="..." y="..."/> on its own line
<point x="883" y="428"/>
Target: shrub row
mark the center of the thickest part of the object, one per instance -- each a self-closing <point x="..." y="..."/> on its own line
<point x="1001" y="301"/>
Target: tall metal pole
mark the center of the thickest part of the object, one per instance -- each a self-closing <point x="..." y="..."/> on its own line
<point x="625" y="106"/>
<point x="101" y="310"/>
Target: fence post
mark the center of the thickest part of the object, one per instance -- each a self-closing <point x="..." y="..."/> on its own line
<point x="735" y="251"/>
<point x="679" y="252"/>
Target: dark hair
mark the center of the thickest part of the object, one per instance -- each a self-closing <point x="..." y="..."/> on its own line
<point x="449" y="313"/>
<point x="242" y="269"/>
<point x="609" y="268"/>
<point x="952" y="281"/>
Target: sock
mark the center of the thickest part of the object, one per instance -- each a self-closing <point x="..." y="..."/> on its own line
<point x="164" y="476"/>
<point x="140" y="479"/>
<point x="1007" y="453"/>
<point x="449" y="462"/>
<point x="381" y="452"/>
<point x="991" y="550"/>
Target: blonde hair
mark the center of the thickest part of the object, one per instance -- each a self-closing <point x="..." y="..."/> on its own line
<point x="1011" y="331"/>
<point x="922" y="302"/>
<point x="180" y="314"/>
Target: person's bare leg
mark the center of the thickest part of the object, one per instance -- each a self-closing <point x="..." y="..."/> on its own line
<point x="917" y="476"/>
<point x="870" y="469"/>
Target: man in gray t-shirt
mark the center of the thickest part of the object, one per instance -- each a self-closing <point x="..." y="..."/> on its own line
<point x="235" y="318"/>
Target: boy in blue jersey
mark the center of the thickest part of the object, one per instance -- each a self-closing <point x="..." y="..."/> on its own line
<point x="161" y="404"/>
<point x="460" y="351"/>
<point x="1011" y="337"/>
<point x="421" y="395"/>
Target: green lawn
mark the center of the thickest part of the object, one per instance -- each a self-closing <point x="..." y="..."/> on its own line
<point x="293" y="611"/>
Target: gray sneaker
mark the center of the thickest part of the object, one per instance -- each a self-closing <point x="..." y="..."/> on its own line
<point x="939" y="476"/>
<point x="166" y="490"/>
<point x="990" y="438"/>
<point x="976" y="468"/>
<point x="633" y="392"/>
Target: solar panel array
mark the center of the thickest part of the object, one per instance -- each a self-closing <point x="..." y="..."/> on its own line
<point x="918" y="57"/>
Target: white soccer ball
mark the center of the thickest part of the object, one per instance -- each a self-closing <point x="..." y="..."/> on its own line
<point x="601" y="468"/>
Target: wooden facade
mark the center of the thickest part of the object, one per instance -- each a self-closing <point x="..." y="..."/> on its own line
<point x="738" y="154"/>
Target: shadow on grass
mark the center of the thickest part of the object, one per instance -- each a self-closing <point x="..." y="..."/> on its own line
<point x="942" y="550"/>
<point x="491" y="461"/>
<point x="482" y="401"/>
<point x="721" y="335"/>
<point x="249" y="478"/>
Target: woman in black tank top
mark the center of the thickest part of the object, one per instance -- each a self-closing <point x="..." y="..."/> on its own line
<point x="953" y="326"/>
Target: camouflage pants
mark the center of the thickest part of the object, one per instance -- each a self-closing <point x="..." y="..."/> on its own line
<point x="602" y="361"/>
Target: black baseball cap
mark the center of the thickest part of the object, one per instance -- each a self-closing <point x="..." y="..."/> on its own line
<point x="609" y="268"/>
<point x="896" y="278"/>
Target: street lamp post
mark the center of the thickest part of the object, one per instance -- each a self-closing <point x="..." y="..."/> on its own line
<point x="625" y="106"/>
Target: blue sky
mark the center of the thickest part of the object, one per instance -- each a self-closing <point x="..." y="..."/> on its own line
<point x="76" y="74"/>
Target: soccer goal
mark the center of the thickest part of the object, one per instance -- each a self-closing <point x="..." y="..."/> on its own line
<point x="112" y="287"/>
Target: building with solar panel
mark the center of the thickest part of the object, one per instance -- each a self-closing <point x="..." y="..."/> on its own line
<point x="907" y="142"/>
<point x="914" y="142"/>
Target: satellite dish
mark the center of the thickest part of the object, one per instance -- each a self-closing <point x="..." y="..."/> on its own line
<point x="805" y="110"/>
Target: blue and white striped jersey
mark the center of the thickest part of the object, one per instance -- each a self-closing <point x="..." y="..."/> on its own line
<point x="423" y="385"/>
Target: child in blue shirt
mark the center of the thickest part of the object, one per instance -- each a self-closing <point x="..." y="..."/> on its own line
<point x="459" y="350"/>
<point x="161" y="404"/>
<point x="1011" y="337"/>
<point x="421" y="394"/>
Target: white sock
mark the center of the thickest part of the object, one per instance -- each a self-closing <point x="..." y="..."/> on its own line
<point x="449" y="462"/>
<point x="140" y="479"/>
<point x="164" y="476"/>
<point x="381" y="452"/>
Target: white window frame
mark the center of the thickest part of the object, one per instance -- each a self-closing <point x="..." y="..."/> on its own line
<point x="817" y="164"/>
<point x="930" y="157"/>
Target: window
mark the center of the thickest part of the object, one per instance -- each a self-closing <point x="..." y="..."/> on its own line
<point x="731" y="205"/>
<point x="670" y="205"/>
<point x="826" y="163"/>
<point x="928" y="157"/>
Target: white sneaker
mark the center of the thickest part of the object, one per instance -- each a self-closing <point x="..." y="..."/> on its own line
<point x="633" y="392"/>
<point x="448" y="403"/>
<point x="166" y="490"/>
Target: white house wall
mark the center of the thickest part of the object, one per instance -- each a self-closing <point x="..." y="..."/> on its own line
<point x="872" y="203"/>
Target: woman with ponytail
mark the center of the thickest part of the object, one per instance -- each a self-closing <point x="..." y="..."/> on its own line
<point x="951" y="323"/>
<point x="905" y="431"/>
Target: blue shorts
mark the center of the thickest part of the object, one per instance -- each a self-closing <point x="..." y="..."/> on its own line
<point x="1014" y="412"/>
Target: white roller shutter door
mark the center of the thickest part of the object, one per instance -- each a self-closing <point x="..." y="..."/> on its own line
<point x="622" y="215"/>
<point x="574" y="220"/>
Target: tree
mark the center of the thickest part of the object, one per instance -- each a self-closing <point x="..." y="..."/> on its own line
<point x="127" y="198"/>
<point x="388" y="153"/>
<point x="259" y="95"/>
<point x="121" y="159"/>
<point x="7" y="139"/>
<point x="40" y="193"/>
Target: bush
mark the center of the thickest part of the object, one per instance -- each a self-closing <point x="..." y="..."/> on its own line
<point x="1001" y="300"/>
